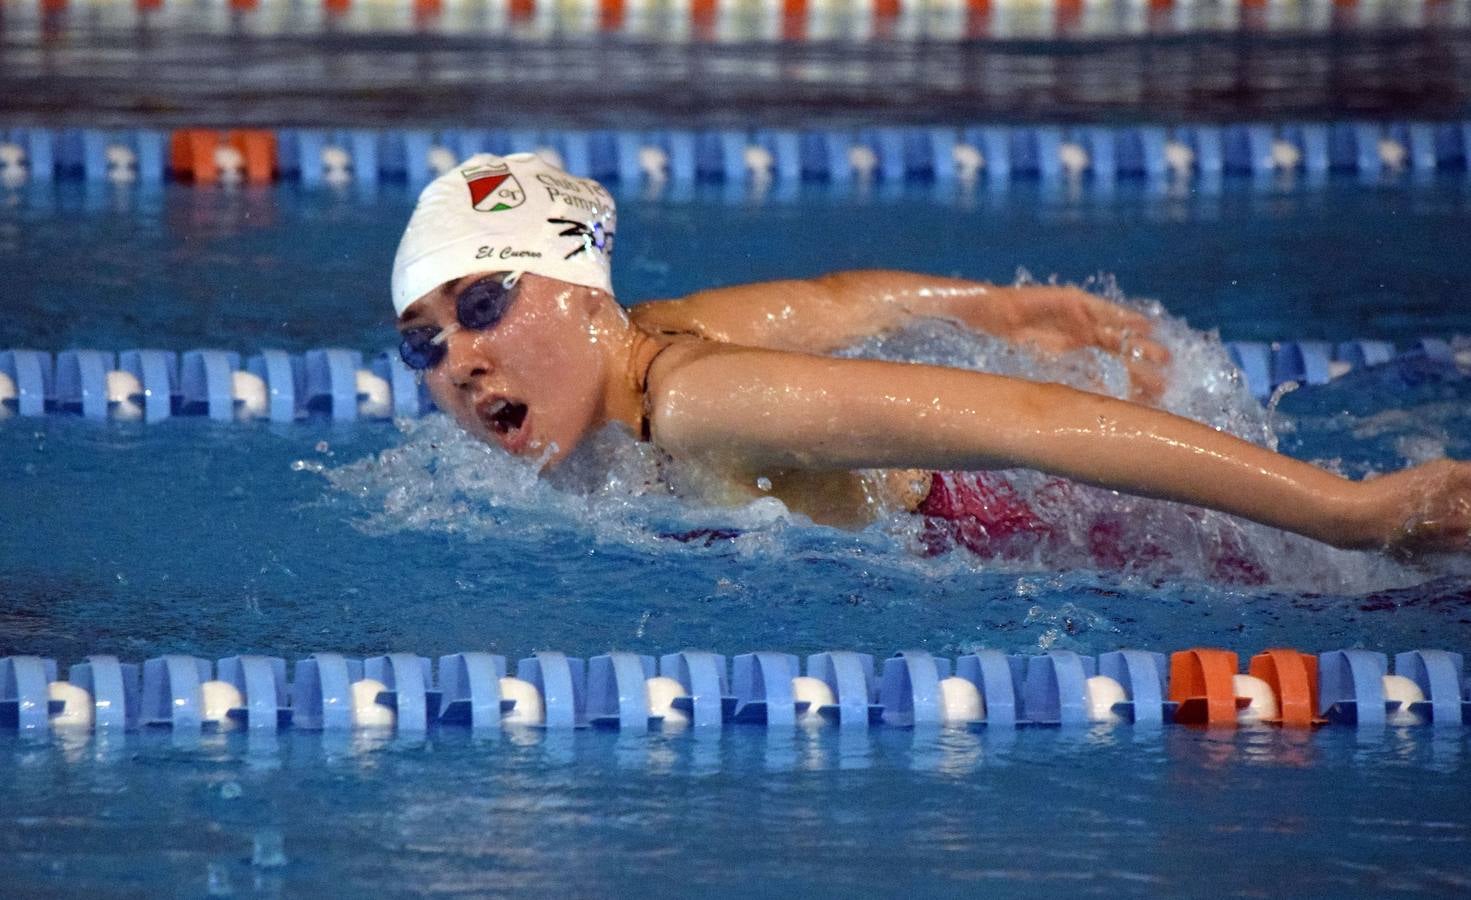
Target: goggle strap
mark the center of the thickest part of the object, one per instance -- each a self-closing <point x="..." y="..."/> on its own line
<point x="445" y="332"/>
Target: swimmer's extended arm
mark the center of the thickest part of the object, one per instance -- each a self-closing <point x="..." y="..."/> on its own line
<point x="835" y="311"/>
<point x="754" y="409"/>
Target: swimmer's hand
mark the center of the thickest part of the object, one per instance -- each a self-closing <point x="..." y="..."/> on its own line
<point x="1059" y="319"/>
<point x="1424" y="510"/>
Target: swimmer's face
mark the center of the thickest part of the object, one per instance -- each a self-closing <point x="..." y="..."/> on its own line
<point x="532" y="380"/>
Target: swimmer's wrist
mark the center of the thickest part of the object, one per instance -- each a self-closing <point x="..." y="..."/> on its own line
<point x="1360" y="517"/>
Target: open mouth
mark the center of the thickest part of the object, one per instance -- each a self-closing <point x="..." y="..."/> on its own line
<point x="501" y="416"/>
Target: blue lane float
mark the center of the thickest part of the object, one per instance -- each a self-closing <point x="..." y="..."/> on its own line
<point x="1351" y="687"/>
<point x="1055" y="687"/>
<point x="261" y="681"/>
<point x="1268" y="366"/>
<point x="321" y="694"/>
<point x="24" y="692"/>
<point x="991" y="673"/>
<point x="1441" y="677"/>
<point x="703" y="677"/>
<point x="283" y="378"/>
<point x="409" y="692"/>
<point x="173" y="692"/>
<point x="115" y="690"/>
<point x="617" y="693"/>
<point x="81" y="381"/>
<point x="762" y="683"/>
<point x="561" y="682"/>
<point x="620" y="690"/>
<point x="331" y="382"/>
<point x="1143" y="676"/>
<point x="470" y="689"/>
<point x="910" y="690"/>
<point x="850" y="678"/>
<point x="206" y="383"/>
<point x="157" y="372"/>
<point x="31" y="374"/>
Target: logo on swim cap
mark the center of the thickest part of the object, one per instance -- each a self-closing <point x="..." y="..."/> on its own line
<point x="590" y="237"/>
<point x="493" y="188"/>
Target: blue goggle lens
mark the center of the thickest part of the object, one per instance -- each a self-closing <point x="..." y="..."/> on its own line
<point x="482" y="304"/>
<point x="418" y="349"/>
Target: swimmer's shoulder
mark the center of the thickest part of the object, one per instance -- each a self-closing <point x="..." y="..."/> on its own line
<point x="668" y="317"/>
<point x="687" y="386"/>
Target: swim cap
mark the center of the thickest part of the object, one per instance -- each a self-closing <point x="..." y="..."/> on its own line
<point x="515" y="213"/>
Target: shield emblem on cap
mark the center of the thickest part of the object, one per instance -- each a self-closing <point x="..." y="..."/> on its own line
<point x="493" y="188"/>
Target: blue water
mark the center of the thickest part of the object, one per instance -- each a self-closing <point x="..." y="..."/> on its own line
<point x="1111" y="812"/>
<point x="210" y="539"/>
<point x="279" y="268"/>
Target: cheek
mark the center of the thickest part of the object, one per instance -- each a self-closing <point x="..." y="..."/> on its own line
<point x="441" y="388"/>
<point x="568" y="379"/>
<point x="549" y="364"/>
<point x="451" y="400"/>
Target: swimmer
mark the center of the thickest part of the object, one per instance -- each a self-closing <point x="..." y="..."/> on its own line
<point x="503" y="292"/>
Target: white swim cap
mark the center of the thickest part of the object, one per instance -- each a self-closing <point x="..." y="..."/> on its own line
<point x="514" y="213"/>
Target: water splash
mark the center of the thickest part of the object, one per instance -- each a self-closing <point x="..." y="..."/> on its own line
<point x="612" y="490"/>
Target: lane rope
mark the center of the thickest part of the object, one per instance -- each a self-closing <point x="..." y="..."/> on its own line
<point x="632" y="692"/>
<point x="985" y="154"/>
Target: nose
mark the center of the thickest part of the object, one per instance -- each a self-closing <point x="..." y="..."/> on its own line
<point x="464" y="364"/>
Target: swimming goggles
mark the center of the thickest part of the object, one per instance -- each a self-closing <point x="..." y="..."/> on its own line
<point x="479" y="306"/>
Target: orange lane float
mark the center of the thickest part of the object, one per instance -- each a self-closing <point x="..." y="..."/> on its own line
<point x="1206" y="684"/>
<point x="192" y="154"/>
<point x="1293" y="677"/>
<point x="1202" y="683"/>
<point x="259" y="149"/>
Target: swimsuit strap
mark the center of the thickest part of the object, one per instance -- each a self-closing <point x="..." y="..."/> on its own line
<point x="644" y="433"/>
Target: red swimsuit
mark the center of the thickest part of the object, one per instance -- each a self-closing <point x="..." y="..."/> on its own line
<point x="982" y="512"/>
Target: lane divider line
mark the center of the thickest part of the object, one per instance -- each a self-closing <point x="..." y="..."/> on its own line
<point x="1200" y="686"/>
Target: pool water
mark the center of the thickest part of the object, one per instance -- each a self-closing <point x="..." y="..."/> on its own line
<point x="195" y="537"/>
<point x="279" y="267"/>
<point x="1108" y="812"/>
